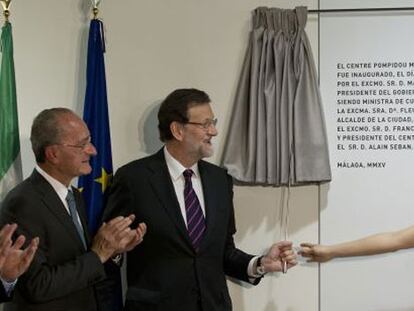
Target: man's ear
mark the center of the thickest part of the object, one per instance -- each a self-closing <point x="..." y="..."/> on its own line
<point x="177" y="130"/>
<point x="51" y="154"/>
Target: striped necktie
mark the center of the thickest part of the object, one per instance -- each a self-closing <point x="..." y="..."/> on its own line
<point x="196" y="224"/>
<point x="70" y="198"/>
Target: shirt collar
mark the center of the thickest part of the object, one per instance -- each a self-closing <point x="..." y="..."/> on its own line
<point x="61" y="189"/>
<point x="176" y="168"/>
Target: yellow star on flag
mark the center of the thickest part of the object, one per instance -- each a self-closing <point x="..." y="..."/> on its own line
<point x="104" y="180"/>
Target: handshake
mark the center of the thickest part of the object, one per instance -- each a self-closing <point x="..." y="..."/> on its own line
<point x="282" y="255"/>
<point x="116" y="237"/>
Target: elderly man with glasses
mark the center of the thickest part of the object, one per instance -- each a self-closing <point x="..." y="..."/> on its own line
<point x="68" y="263"/>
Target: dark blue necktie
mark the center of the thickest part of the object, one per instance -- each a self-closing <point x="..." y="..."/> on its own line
<point x="70" y="198"/>
<point x="196" y="224"/>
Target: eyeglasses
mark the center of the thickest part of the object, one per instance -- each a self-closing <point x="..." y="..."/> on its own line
<point x="204" y="125"/>
<point x="81" y="146"/>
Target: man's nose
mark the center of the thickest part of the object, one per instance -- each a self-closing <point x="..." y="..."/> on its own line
<point x="91" y="150"/>
<point x="212" y="130"/>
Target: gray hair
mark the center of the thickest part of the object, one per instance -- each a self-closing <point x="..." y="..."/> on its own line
<point x="46" y="130"/>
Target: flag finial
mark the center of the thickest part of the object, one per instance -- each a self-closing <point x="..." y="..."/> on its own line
<point x="95" y="13"/>
<point x="6" y="5"/>
<point x="95" y="10"/>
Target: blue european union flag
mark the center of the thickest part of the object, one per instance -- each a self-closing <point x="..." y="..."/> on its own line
<point x="95" y="185"/>
<point x="95" y="114"/>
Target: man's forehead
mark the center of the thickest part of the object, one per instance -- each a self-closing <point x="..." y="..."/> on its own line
<point x="67" y="117"/>
<point x="201" y="109"/>
<point x="72" y="125"/>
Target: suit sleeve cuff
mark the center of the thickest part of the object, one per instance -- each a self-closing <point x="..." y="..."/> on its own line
<point x="8" y="286"/>
<point x="94" y="261"/>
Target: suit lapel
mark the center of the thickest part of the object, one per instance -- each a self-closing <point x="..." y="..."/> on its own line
<point x="164" y="189"/>
<point x="55" y="205"/>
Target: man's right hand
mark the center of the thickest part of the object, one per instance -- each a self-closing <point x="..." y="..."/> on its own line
<point x="13" y="260"/>
<point x="116" y="236"/>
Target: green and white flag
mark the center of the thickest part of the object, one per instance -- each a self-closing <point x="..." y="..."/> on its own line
<point x="10" y="161"/>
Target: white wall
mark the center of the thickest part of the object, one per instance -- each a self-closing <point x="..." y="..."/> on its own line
<point x="153" y="47"/>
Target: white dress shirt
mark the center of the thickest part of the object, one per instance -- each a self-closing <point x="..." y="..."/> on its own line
<point x="60" y="189"/>
<point x="176" y="170"/>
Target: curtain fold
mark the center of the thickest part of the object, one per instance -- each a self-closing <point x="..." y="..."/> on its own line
<point x="277" y="134"/>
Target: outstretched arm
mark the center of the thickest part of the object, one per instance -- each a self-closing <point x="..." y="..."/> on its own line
<point x="371" y="245"/>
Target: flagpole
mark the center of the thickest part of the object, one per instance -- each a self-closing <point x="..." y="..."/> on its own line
<point x="95" y="12"/>
<point x="6" y="14"/>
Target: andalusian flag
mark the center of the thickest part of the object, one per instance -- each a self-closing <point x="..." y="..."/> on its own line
<point x="95" y="113"/>
<point x="10" y="162"/>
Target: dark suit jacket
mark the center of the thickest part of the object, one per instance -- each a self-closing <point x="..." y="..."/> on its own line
<point x="164" y="272"/>
<point x="3" y="296"/>
<point x="62" y="274"/>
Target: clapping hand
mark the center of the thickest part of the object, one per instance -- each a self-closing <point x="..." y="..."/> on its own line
<point x="115" y="237"/>
<point x="14" y="261"/>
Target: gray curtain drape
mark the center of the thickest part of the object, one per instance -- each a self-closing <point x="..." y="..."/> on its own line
<point x="277" y="133"/>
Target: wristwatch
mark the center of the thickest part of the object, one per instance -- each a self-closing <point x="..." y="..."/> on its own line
<point x="260" y="270"/>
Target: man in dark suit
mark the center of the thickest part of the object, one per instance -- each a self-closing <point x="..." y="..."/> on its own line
<point x="187" y="204"/>
<point x="69" y="262"/>
<point x="13" y="260"/>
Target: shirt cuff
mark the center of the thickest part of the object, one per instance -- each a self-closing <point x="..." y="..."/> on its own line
<point x="8" y="286"/>
<point x="251" y="269"/>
